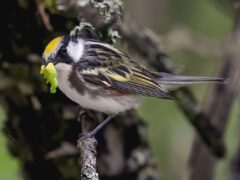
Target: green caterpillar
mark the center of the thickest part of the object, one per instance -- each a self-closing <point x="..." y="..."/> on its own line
<point x="50" y="74"/>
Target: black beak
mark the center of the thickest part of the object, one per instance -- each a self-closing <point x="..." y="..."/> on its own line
<point x="52" y="60"/>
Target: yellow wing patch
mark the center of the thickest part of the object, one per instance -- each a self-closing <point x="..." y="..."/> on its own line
<point x="52" y="45"/>
<point x="116" y="77"/>
<point x="106" y="72"/>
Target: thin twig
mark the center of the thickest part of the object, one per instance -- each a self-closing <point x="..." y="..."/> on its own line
<point x="45" y="18"/>
<point x="87" y="147"/>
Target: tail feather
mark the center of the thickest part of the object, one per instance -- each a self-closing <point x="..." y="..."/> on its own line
<point x="166" y="78"/>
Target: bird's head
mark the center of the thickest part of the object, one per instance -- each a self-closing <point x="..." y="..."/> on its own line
<point x="64" y="49"/>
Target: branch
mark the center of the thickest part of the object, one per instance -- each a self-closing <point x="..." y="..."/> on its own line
<point x="101" y="14"/>
<point x="235" y="164"/>
<point x="87" y="149"/>
<point x="201" y="164"/>
<point x="45" y="18"/>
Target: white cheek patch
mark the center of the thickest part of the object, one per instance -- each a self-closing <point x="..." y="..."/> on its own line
<point x="75" y="49"/>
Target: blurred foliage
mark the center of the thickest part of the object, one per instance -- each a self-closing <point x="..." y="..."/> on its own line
<point x="50" y="4"/>
<point x="205" y="17"/>
<point x="8" y="164"/>
<point x="170" y="134"/>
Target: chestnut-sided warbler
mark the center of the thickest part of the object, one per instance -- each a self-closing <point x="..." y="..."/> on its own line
<point x="100" y="77"/>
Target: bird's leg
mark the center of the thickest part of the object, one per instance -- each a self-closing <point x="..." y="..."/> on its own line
<point x="96" y="129"/>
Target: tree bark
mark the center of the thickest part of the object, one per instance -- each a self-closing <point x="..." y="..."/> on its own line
<point x="88" y="149"/>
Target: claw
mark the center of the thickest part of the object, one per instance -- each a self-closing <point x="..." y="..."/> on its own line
<point x="86" y="136"/>
<point x="95" y="130"/>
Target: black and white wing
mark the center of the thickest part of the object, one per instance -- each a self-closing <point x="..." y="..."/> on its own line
<point x="105" y="66"/>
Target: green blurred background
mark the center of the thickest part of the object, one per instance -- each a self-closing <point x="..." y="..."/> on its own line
<point x="169" y="132"/>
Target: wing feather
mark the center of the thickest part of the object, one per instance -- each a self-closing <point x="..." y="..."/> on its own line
<point x="110" y="68"/>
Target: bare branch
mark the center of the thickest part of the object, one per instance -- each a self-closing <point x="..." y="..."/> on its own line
<point x="235" y="164"/>
<point x="44" y="15"/>
<point x="87" y="149"/>
<point x="201" y="164"/>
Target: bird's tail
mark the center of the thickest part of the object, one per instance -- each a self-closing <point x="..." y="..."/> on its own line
<point x="171" y="79"/>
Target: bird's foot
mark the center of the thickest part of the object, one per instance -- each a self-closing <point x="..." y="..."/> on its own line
<point x="96" y="129"/>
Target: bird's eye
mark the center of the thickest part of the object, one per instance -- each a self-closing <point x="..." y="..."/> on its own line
<point x="64" y="50"/>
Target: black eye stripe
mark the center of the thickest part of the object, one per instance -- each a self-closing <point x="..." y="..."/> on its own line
<point x="66" y="40"/>
<point x="62" y="54"/>
<point x="63" y="49"/>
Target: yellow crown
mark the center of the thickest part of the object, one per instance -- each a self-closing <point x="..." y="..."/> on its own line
<point x="52" y="45"/>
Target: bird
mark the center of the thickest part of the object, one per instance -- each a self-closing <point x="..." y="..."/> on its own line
<point x="100" y="77"/>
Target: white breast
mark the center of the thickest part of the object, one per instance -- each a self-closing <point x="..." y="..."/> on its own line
<point x="106" y="104"/>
